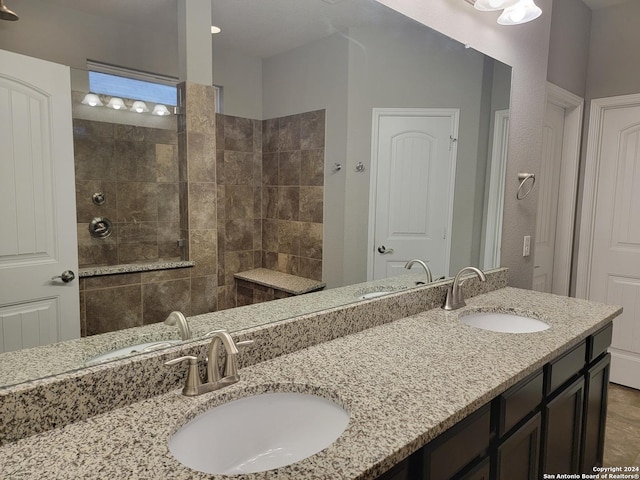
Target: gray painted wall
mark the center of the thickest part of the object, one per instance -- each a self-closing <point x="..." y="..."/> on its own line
<point x="525" y="48"/>
<point x="407" y="66"/>
<point x="314" y="77"/>
<point x="614" y="53"/>
<point x="70" y="37"/>
<point x="569" y="45"/>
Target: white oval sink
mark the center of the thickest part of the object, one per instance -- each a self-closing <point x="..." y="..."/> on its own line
<point x="504" y="322"/>
<point x="130" y="350"/>
<point x="258" y="433"/>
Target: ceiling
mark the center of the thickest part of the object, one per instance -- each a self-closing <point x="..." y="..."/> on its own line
<point x="255" y="26"/>
<point x="252" y="26"/>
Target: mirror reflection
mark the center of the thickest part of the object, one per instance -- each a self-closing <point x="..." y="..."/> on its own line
<point x="298" y="171"/>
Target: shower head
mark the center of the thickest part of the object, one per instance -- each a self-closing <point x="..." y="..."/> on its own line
<point x="6" y="14"/>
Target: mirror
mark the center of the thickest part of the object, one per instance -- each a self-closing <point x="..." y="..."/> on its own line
<point x="430" y="70"/>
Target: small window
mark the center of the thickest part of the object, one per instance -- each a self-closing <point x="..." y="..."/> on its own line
<point x="121" y="82"/>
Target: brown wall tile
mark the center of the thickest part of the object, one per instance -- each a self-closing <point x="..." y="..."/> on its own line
<point x="137" y="202"/>
<point x="311" y="240"/>
<point x="288" y="203"/>
<point x="201" y="151"/>
<point x="159" y="299"/>
<point x="203" y="201"/>
<point x="204" y="294"/>
<point x="239" y="234"/>
<point x="312" y="128"/>
<point x="136" y="161"/>
<point x="311" y="204"/>
<point x="113" y="309"/>
<point x="289" y="168"/>
<point x="238" y="134"/>
<point x="312" y="167"/>
<point x="203" y="247"/>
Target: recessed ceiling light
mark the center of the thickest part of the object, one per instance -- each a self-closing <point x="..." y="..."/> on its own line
<point x="215" y="29"/>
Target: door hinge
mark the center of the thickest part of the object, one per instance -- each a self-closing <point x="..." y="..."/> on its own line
<point x="451" y="142"/>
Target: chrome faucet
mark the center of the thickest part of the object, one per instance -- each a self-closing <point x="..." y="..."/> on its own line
<point x="455" y="296"/>
<point x="410" y="263"/>
<point x="193" y="385"/>
<point x="177" y="318"/>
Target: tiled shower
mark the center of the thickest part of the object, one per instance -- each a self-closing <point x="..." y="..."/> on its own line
<point x="269" y="184"/>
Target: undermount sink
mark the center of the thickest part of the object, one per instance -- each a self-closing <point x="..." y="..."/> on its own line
<point x="258" y="433"/>
<point x="504" y="322"/>
<point x="130" y="350"/>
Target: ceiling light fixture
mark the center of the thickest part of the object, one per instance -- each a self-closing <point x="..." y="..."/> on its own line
<point x="6" y="14"/>
<point x="139" y="107"/>
<point x="92" y="100"/>
<point x="522" y="12"/>
<point x="514" y="12"/>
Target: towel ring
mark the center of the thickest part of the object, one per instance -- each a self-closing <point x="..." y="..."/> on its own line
<point x="522" y="178"/>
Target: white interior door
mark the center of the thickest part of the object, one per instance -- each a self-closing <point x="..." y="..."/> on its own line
<point x="613" y="275"/>
<point x="413" y="174"/>
<point x="37" y="204"/>
<point x="548" y="183"/>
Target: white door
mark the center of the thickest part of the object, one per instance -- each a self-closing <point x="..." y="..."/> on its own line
<point x="614" y="275"/>
<point x="548" y="183"/>
<point x="37" y="204"/>
<point x="413" y="174"/>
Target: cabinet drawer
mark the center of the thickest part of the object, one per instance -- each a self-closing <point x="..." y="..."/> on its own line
<point x="600" y="341"/>
<point x="459" y="445"/>
<point x="565" y="367"/>
<point x="519" y="401"/>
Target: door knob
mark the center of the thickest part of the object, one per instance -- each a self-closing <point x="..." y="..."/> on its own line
<point x="67" y="276"/>
<point x="383" y="250"/>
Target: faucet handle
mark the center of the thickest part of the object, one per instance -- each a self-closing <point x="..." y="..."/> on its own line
<point x="192" y="382"/>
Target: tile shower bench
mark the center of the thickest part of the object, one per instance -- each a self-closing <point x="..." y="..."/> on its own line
<point x="407" y="384"/>
<point x="262" y="284"/>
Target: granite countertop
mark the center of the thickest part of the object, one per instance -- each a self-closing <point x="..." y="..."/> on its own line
<point x="404" y="383"/>
<point x="33" y="363"/>
<point x="281" y="281"/>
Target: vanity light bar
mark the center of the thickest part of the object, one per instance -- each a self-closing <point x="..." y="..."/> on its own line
<point x="117" y="103"/>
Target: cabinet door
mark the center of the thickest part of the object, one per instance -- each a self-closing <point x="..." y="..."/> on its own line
<point x="519" y="454"/>
<point x="595" y="413"/>
<point x="459" y="447"/>
<point x="562" y="431"/>
<point x="480" y="472"/>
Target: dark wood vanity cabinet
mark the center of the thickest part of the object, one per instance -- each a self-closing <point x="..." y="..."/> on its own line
<point x="518" y="456"/>
<point x="553" y="422"/>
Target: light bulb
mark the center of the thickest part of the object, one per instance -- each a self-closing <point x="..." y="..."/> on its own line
<point x="160" y="110"/>
<point x="92" y="100"/>
<point x="139" y="107"/>
<point x="116" y="103"/>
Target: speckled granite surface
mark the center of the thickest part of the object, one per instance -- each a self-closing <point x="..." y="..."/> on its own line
<point x="36" y="363"/>
<point x="281" y="281"/>
<point x="403" y="382"/>
<point x="80" y="394"/>
<point x="132" y="267"/>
